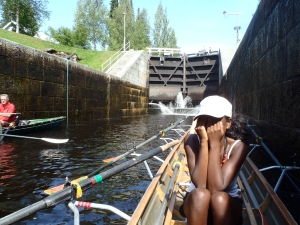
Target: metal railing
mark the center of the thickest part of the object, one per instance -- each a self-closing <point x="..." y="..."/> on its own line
<point x="108" y="63"/>
<point x="278" y="165"/>
<point x="164" y="51"/>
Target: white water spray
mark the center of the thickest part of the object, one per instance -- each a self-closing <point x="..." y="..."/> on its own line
<point x="183" y="106"/>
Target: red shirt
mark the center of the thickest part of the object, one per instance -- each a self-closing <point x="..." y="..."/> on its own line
<point x="8" y="108"/>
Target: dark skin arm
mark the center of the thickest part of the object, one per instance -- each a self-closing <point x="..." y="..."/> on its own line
<point x="217" y="178"/>
<point x="197" y="157"/>
<point x="197" y="154"/>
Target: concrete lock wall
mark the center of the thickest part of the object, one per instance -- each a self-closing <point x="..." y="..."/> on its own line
<point x="263" y="79"/>
<point x="36" y="83"/>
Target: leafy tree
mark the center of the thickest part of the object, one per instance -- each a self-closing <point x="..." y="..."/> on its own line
<point x="80" y="37"/>
<point x="113" y="4"/>
<point x="28" y="14"/>
<point x="172" y="39"/>
<point x="162" y="33"/>
<point x="91" y="17"/>
<point x="70" y="37"/>
<point x="141" y="38"/>
<point x="116" y="25"/>
<point x="63" y="35"/>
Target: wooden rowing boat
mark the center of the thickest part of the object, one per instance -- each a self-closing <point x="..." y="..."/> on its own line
<point x="35" y="125"/>
<point x="162" y="199"/>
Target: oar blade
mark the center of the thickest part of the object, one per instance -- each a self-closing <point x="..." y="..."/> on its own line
<point x="109" y="160"/>
<point x="114" y="158"/>
<point x="57" y="141"/>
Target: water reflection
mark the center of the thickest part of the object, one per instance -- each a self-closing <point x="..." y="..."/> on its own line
<point x="41" y="165"/>
<point x="7" y="163"/>
<point x="53" y="154"/>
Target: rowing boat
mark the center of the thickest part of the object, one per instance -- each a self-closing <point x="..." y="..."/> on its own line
<point x="27" y="126"/>
<point x="161" y="201"/>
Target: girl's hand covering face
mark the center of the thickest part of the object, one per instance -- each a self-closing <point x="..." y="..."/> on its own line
<point x="216" y="131"/>
<point x="200" y="130"/>
<point x="210" y="128"/>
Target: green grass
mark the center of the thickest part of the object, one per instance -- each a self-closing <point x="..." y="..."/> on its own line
<point x="93" y="59"/>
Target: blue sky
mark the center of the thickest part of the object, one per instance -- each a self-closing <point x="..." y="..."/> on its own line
<point x="197" y="23"/>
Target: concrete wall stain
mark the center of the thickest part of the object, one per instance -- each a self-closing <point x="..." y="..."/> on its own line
<point x="36" y="83"/>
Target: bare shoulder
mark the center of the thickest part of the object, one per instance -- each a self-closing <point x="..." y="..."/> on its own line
<point x="191" y="143"/>
<point x="191" y="139"/>
<point x="239" y="147"/>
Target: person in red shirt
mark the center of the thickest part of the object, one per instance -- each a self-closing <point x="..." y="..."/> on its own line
<point x="6" y="110"/>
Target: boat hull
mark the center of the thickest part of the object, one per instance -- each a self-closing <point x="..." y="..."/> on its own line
<point x="36" y="125"/>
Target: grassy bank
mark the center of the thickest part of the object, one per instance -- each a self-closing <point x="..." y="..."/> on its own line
<point x="93" y="59"/>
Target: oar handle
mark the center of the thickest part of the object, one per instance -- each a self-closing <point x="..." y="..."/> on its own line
<point x="16" y="216"/>
<point x="169" y="145"/>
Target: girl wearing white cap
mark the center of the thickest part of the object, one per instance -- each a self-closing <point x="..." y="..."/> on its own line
<point x="215" y="152"/>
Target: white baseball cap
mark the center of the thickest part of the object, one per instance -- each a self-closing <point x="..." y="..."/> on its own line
<point x="215" y="106"/>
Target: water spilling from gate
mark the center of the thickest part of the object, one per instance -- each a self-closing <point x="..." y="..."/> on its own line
<point x="181" y="106"/>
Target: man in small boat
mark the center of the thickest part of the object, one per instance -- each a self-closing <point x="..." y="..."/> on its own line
<point x="216" y="148"/>
<point x="6" y="110"/>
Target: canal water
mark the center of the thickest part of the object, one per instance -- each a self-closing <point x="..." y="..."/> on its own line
<point x="28" y="167"/>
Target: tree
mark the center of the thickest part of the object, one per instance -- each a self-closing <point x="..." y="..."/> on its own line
<point x="172" y="43"/>
<point x="113" y="5"/>
<point x="91" y="17"/>
<point x="116" y="25"/>
<point x="63" y="35"/>
<point x="80" y="37"/>
<point x="162" y="33"/>
<point x="70" y="37"/>
<point x="142" y="28"/>
<point x="28" y="14"/>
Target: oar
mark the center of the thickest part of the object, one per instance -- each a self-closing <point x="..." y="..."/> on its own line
<point x="115" y="159"/>
<point x="68" y="192"/>
<point x="161" y="133"/>
<point x="51" y="140"/>
<point x="7" y="128"/>
<point x="2" y="131"/>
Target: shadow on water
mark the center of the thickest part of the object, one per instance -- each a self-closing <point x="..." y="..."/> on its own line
<point x="28" y="167"/>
